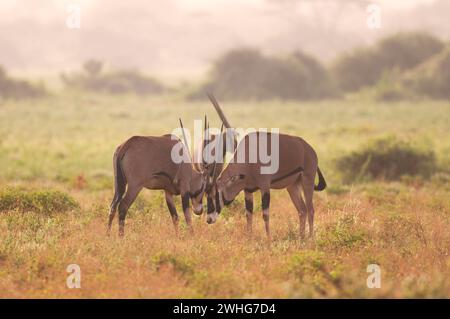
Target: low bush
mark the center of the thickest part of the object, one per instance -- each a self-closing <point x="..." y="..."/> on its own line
<point x="179" y="264"/>
<point x="316" y="273"/>
<point x="387" y="158"/>
<point x="344" y="233"/>
<point x="18" y="89"/>
<point x="40" y="201"/>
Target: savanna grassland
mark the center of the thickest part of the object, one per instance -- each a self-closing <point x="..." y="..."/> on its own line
<point x="56" y="183"/>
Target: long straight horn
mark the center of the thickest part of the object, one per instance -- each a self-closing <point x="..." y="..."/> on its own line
<point x="215" y="162"/>
<point x="219" y="110"/>
<point x="185" y="139"/>
<point x="205" y="139"/>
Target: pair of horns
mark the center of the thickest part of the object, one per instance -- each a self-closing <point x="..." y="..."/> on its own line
<point x="205" y="139"/>
<point x="206" y="133"/>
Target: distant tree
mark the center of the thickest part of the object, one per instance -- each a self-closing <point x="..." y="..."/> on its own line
<point x="431" y="78"/>
<point x="114" y="82"/>
<point x="365" y="66"/>
<point x="246" y="74"/>
<point x="18" y="89"/>
<point x="93" y="67"/>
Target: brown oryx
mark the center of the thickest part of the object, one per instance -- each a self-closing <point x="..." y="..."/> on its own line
<point x="146" y="161"/>
<point x="297" y="168"/>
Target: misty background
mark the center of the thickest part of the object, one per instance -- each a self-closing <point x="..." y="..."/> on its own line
<point x="179" y="39"/>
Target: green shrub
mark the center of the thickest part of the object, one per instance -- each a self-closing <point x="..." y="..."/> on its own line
<point x="313" y="270"/>
<point x="246" y="74"/>
<point x="18" y="89"/>
<point x="344" y="233"/>
<point x="390" y="88"/>
<point x="364" y="67"/>
<point x="40" y="201"/>
<point x="306" y="263"/>
<point x="180" y="264"/>
<point x="387" y="158"/>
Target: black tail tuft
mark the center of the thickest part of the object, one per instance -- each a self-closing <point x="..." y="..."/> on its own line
<point x="119" y="181"/>
<point x="322" y="184"/>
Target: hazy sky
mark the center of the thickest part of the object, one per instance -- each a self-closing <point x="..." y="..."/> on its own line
<point x="181" y="37"/>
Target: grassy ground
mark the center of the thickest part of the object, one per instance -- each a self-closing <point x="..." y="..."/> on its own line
<point x="66" y="143"/>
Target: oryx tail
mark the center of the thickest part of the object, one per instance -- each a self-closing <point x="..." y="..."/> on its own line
<point x="322" y="183"/>
<point x="119" y="178"/>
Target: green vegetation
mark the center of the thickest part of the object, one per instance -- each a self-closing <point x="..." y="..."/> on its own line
<point x="11" y="88"/>
<point x="364" y="67"/>
<point x="40" y="201"/>
<point x="387" y="158"/>
<point x="404" y="66"/>
<point x="343" y="233"/>
<point x="246" y="74"/>
<point x="432" y="78"/>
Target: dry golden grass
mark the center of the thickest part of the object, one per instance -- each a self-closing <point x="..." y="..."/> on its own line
<point x="408" y="235"/>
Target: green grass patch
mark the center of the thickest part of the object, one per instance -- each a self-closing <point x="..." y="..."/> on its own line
<point x="180" y="264"/>
<point x="345" y="233"/>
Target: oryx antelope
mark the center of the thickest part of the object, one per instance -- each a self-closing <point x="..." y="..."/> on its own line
<point x="298" y="166"/>
<point x="145" y="161"/>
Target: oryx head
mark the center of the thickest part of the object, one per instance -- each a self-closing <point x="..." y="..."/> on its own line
<point x="214" y="193"/>
<point x="223" y="192"/>
<point x="198" y="182"/>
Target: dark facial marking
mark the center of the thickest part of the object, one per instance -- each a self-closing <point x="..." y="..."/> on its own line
<point x="226" y="202"/>
<point x="249" y="205"/>
<point x="210" y="204"/>
<point x="196" y="193"/>
<point x="218" y="207"/>
<point x="265" y="201"/>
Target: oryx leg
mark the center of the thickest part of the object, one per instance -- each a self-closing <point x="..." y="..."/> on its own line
<point x="173" y="210"/>
<point x="124" y="205"/>
<point x="294" y="193"/>
<point x="249" y="211"/>
<point x="187" y="210"/>
<point x="265" y="199"/>
<point x="308" y="191"/>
